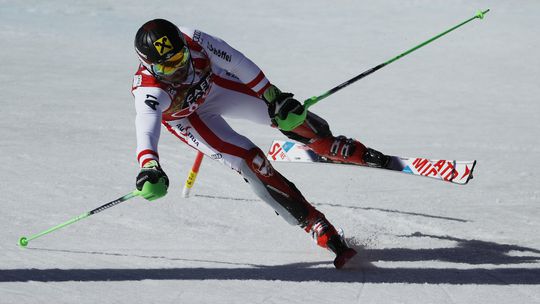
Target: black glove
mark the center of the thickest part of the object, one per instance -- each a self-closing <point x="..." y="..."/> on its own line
<point x="282" y="105"/>
<point x="156" y="180"/>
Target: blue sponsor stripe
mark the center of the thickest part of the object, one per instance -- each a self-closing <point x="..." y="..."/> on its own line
<point x="407" y="170"/>
<point x="287" y="146"/>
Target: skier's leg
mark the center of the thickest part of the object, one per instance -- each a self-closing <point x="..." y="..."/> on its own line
<point x="316" y="134"/>
<point x="210" y="134"/>
<point x="235" y="100"/>
<point x="287" y="201"/>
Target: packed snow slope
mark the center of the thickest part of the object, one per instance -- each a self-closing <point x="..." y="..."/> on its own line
<point x="67" y="143"/>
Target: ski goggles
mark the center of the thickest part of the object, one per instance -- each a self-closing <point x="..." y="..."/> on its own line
<point x="173" y="64"/>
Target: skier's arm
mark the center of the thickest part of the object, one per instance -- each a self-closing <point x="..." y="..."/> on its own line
<point x="152" y="182"/>
<point x="150" y="102"/>
<point x="228" y="58"/>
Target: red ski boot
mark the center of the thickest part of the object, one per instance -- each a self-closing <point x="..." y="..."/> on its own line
<point x="343" y="252"/>
<point x="326" y="236"/>
<point x="348" y="150"/>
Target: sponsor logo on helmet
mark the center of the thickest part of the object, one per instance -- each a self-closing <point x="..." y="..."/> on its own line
<point x="163" y="45"/>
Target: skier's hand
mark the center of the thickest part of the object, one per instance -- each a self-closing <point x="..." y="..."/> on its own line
<point x="283" y="108"/>
<point x="152" y="182"/>
<point x="283" y="105"/>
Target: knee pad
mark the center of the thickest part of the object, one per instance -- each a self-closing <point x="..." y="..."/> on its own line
<point x="258" y="163"/>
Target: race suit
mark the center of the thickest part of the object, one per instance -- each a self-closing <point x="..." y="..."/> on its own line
<point x="222" y="83"/>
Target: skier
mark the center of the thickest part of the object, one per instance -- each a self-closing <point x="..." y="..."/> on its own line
<point x="189" y="81"/>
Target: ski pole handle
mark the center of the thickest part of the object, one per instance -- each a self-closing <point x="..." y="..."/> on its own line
<point x="192" y="176"/>
<point x="23" y="241"/>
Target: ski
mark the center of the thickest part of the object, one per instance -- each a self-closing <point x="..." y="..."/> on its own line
<point x="452" y="171"/>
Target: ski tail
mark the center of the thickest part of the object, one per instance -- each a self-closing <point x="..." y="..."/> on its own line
<point x="452" y="171"/>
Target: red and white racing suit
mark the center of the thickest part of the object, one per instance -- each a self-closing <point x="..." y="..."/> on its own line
<point x="222" y="83"/>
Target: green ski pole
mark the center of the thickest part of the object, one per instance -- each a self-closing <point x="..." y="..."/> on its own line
<point x="294" y="120"/>
<point x="23" y="241"/>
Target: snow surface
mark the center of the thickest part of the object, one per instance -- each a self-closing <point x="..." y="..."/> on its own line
<point x="68" y="141"/>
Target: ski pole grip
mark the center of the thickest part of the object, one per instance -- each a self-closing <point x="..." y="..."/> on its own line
<point x="311" y="101"/>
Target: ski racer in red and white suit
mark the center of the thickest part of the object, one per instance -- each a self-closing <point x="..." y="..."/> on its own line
<point x="220" y="82"/>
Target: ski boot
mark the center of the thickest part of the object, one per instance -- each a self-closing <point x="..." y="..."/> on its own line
<point x="375" y="159"/>
<point x="326" y="236"/>
<point x="339" y="246"/>
<point x="347" y="150"/>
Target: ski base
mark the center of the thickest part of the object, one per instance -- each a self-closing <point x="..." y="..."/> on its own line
<point x="452" y="171"/>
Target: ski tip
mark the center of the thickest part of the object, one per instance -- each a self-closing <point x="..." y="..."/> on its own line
<point x="342" y="259"/>
<point x="471" y="175"/>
